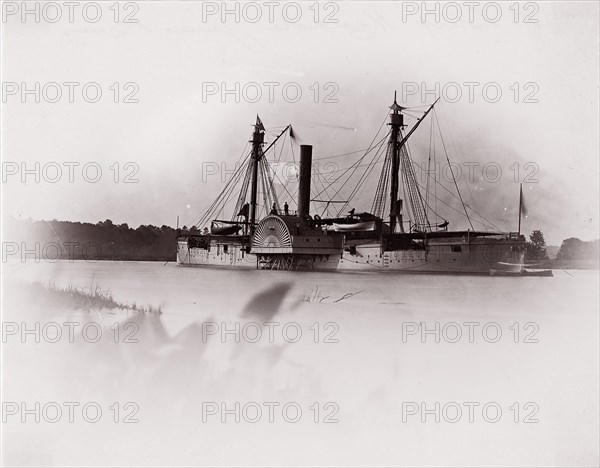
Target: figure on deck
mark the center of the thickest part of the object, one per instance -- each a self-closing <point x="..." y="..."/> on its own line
<point x="286" y="209"/>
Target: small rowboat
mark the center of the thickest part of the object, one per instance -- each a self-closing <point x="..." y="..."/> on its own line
<point x="224" y="230"/>
<point x="524" y="272"/>
<point x="537" y="273"/>
<point x="360" y="226"/>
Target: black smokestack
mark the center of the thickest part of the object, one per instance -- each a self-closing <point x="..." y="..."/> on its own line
<point x="304" y="185"/>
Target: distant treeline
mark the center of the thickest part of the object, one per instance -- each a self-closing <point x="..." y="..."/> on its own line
<point x="576" y="249"/>
<point x="572" y="254"/>
<point x="575" y="253"/>
<point x="30" y="240"/>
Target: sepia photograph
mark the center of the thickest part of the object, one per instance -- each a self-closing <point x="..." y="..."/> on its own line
<point x="300" y="233"/>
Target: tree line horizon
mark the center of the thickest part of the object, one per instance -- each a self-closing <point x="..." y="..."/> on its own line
<point x="152" y="243"/>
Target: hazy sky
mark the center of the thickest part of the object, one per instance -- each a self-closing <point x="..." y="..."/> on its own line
<point x="178" y="52"/>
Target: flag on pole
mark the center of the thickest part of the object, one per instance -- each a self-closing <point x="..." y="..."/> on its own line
<point x="522" y="206"/>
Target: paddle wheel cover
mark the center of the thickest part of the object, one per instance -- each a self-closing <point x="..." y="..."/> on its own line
<point x="272" y="232"/>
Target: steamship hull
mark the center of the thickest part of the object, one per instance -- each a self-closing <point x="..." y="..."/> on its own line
<point x="441" y="255"/>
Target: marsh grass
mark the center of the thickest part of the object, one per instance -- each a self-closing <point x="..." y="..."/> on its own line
<point x="89" y="298"/>
<point x="316" y="295"/>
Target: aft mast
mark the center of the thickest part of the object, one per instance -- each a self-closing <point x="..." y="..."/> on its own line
<point x="398" y="161"/>
<point x="396" y="123"/>
<point x="258" y="139"/>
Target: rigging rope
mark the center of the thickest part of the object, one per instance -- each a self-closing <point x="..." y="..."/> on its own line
<point x="371" y="147"/>
<point x="356" y="166"/>
<point x="227" y="189"/>
<point x="452" y="172"/>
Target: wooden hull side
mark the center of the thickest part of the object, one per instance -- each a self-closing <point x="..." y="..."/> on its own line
<point x="442" y="256"/>
<point x="475" y="257"/>
<point x="217" y="256"/>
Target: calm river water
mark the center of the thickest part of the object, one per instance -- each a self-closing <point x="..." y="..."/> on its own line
<point x="282" y="368"/>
